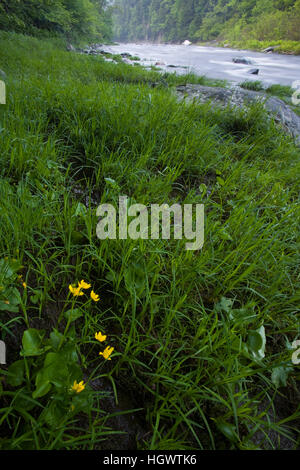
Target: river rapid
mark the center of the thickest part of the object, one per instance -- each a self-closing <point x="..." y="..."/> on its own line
<point x="216" y="62"/>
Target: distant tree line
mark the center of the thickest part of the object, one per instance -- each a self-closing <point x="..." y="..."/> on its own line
<point x="177" y="20"/>
<point x="72" y="18"/>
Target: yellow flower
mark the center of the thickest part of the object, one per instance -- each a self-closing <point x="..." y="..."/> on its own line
<point x="94" y="296"/>
<point x="76" y="291"/>
<point x="106" y="353"/>
<point x="78" y="387"/>
<point x="24" y="285"/>
<point x="100" y="337"/>
<point x="83" y="285"/>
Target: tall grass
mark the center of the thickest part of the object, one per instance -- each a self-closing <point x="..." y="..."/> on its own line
<point x="77" y="132"/>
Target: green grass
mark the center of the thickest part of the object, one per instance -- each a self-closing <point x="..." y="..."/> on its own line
<point x="256" y="85"/>
<point x="188" y="328"/>
<point x="284" y="46"/>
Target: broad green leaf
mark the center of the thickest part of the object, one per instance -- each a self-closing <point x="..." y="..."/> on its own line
<point x="42" y="389"/>
<point x="56" y="339"/>
<point x="8" y="308"/>
<point x="256" y="343"/>
<point x="32" y="342"/>
<point x="227" y="429"/>
<point x="73" y="314"/>
<point x="15" y="372"/>
<point x="280" y="375"/>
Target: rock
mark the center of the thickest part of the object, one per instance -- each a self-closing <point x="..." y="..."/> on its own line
<point x="241" y="98"/>
<point x="159" y="63"/>
<point x="186" y="43"/>
<point x="173" y="66"/>
<point x="270" y="49"/>
<point x="126" y="54"/>
<point x="70" y="48"/>
<point x="254" y="71"/>
<point x="241" y="60"/>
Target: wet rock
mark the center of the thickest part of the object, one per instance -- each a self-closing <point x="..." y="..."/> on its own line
<point x="241" y="60"/>
<point x="159" y="63"/>
<point x="126" y="54"/>
<point x="186" y="43"/>
<point x="173" y="66"/>
<point x="70" y="48"/>
<point x="271" y="49"/>
<point x="239" y="97"/>
<point x="254" y="71"/>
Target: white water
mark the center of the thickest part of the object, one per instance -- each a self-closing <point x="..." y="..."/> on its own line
<point x="216" y="62"/>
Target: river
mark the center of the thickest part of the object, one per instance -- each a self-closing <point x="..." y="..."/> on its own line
<point x="216" y="62"/>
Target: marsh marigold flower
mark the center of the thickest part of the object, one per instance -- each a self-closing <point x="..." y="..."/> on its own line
<point x="100" y="337"/>
<point x="78" y="387"/>
<point x="94" y="296"/>
<point x="107" y="352"/>
<point x="76" y="291"/>
<point x="84" y="285"/>
<point x="24" y="285"/>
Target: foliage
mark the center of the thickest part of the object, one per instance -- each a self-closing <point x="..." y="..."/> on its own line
<point x="233" y="20"/>
<point x="202" y="339"/>
<point x="72" y="18"/>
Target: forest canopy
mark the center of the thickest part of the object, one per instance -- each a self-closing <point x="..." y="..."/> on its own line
<point x="71" y="18"/>
<point x="177" y="20"/>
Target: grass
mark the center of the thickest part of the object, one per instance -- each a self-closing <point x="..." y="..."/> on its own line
<point x="285" y="93"/>
<point x="256" y="85"/>
<point x="282" y="46"/>
<point x="202" y="340"/>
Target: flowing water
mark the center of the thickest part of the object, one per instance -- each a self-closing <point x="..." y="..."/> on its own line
<point x="216" y="62"/>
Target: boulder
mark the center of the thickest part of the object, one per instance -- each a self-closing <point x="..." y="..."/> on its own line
<point x="270" y="49"/>
<point x="254" y="71"/>
<point x="186" y="43"/>
<point x="241" y="60"/>
<point x="70" y="48"/>
<point x="241" y="98"/>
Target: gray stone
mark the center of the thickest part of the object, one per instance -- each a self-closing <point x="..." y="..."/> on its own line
<point x="270" y="49"/>
<point x="70" y="48"/>
<point x="239" y="97"/>
<point x="241" y="60"/>
<point x="254" y="71"/>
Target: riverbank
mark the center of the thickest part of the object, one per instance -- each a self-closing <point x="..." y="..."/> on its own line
<point x="218" y="63"/>
<point x="202" y="341"/>
<point x="280" y="46"/>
